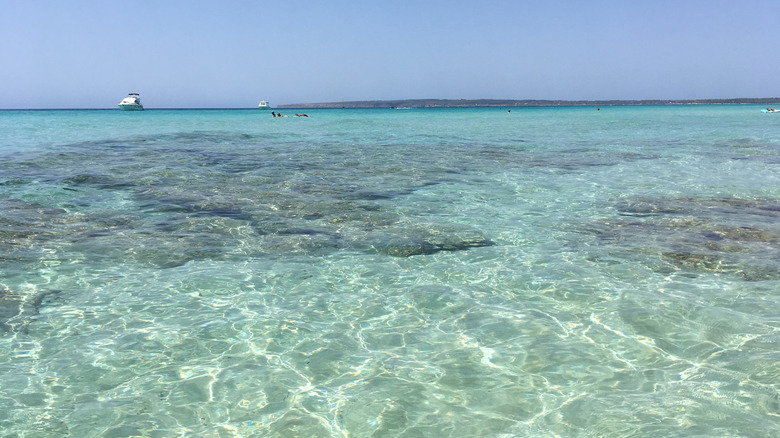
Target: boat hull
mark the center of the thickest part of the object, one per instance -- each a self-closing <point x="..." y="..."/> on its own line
<point x="131" y="107"/>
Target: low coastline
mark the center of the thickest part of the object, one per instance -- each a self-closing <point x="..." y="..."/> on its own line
<point x="489" y="103"/>
<point x="456" y="103"/>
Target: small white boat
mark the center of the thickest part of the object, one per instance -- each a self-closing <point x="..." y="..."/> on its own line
<point x="131" y="103"/>
<point x="264" y="105"/>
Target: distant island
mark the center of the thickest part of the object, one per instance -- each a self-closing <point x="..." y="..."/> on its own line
<point x="488" y="103"/>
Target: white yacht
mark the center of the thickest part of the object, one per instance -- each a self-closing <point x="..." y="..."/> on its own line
<point x="131" y="103"/>
<point x="264" y="105"/>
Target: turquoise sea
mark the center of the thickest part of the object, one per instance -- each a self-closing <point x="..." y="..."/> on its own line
<point x="542" y="272"/>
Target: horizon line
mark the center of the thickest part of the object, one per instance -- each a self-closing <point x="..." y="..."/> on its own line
<point x="496" y="103"/>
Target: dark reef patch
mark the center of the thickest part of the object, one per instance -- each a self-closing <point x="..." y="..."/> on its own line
<point x="721" y="236"/>
<point x="424" y="239"/>
<point x="18" y="308"/>
<point x="168" y="200"/>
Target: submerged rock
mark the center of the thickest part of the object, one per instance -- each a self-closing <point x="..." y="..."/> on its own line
<point x="406" y="242"/>
<point x="722" y="236"/>
<point x="405" y="248"/>
<point x="701" y="262"/>
<point x="16" y="308"/>
<point x="11" y="305"/>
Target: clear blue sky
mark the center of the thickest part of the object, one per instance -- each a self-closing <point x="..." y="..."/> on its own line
<point x="231" y="53"/>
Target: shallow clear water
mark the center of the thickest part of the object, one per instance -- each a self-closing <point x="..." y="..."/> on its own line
<point x="469" y="272"/>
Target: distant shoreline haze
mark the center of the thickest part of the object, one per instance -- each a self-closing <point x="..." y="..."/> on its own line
<point x="489" y="103"/>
